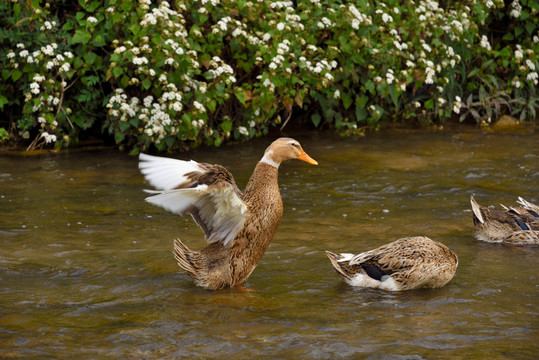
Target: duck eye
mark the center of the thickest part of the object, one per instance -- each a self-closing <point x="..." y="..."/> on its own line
<point x="294" y="144"/>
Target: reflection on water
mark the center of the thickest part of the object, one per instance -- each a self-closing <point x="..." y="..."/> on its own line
<point x="86" y="265"/>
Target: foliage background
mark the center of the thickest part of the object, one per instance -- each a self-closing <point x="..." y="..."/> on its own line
<point x="189" y="73"/>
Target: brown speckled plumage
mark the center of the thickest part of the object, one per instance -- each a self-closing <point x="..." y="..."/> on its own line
<point x="404" y="264"/>
<point x="225" y="263"/>
<point x="512" y="226"/>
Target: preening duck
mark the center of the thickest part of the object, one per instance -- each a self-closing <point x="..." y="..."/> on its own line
<point x="405" y="264"/>
<point x="237" y="225"/>
<point x="511" y="226"/>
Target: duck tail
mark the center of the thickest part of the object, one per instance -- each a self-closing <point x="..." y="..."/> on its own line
<point x="334" y="258"/>
<point x="187" y="259"/>
<point x="476" y="209"/>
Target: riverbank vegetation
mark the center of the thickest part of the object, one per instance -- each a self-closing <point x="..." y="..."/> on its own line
<point x="185" y="73"/>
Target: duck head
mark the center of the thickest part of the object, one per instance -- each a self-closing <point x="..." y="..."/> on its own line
<point x="284" y="149"/>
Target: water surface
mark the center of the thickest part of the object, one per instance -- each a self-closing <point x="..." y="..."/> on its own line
<point x="86" y="265"/>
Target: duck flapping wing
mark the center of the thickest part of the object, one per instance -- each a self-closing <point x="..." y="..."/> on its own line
<point x="207" y="192"/>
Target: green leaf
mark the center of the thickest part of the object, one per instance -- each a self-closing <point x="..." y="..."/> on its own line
<point x="505" y="52"/>
<point x="16" y="10"/>
<point x="429" y="104"/>
<point x="3" y="101"/>
<point x="346" y="100"/>
<point x="518" y="30"/>
<point x="135" y="28"/>
<point x="361" y="114"/>
<point x="530" y="27"/>
<point x="226" y="125"/>
<point x="99" y="41"/>
<point x="473" y="73"/>
<point x="361" y="101"/>
<point x="50" y="118"/>
<point x="508" y="37"/>
<point x="211" y="105"/>
<point x="316" y="119"/>
<point x="124" y="125"/>
<point x="240" y="95"/>
<point x="394" y="96"/>
<point x="369" y="86"/>
<point x="90" y="57"/>
<point x="119" y="137"/>
<point x="16" y="74"/>
<point x="117" y="72"/>
<point x="81" y="37"/>
<point x="146" y="83"/>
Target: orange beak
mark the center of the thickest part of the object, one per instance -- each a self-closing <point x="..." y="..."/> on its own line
<point x="304" y="157"/>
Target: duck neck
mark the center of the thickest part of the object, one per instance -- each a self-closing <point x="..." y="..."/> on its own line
<point x="264" y="178"/>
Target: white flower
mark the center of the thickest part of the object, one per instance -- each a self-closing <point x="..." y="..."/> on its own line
<point x="484" y="43"/>
<point x="10" y="54"/>
<point x="390" y="77"/>
<point x="38" y="78"/>
<point x="517" y="9"/>
<point x="337" y="94"/>
<point x="280" y="26"/>
<point x="23" y="53"/>
<point x="429" y="73"/>
<point x="91" y="20"/>
<point x="48" y="50"/>
<point x="417" y="104"/>
<point x="519" y="54"/>
<point x="426" y="47"/>
<point x="532" y="77"/>
<point x="34" y="88"/>
<point x="140" y="60"/>
<point x="243" y="130"/>
<point x="530" y="64"/>
<point x="386" y="18"/>
<point x="199" y="106"/>
<point x="48" y="137"/>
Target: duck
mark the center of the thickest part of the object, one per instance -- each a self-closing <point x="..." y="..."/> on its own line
<point x="238" y="226"/>
<point x="404" y="264"/>
<point x="518" y="226"/>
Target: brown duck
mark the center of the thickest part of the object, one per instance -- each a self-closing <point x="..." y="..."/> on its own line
<point x="238" y="226"/>
<point x="511" y="226"/>
<point x="405" y="264"/>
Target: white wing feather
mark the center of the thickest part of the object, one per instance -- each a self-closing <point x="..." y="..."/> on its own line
<point x="165" y="173"/>
<point x="219" y="208"/>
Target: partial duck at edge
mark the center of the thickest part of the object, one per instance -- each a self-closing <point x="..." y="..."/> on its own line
<point x="512" y="226"/>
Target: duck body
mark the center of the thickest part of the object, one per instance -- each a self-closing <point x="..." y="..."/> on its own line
<point x="511" y="226"/>
<point x="405" y="264"/>
<point x="239" y="226"/>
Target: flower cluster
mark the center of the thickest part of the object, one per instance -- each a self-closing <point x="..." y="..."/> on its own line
<point x="206" y="71"/>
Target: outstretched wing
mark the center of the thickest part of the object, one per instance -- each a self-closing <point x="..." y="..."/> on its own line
<point x="208" y="192"/>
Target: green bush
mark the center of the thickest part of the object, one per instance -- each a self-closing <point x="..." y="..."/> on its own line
<point x="205" y="72"/>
